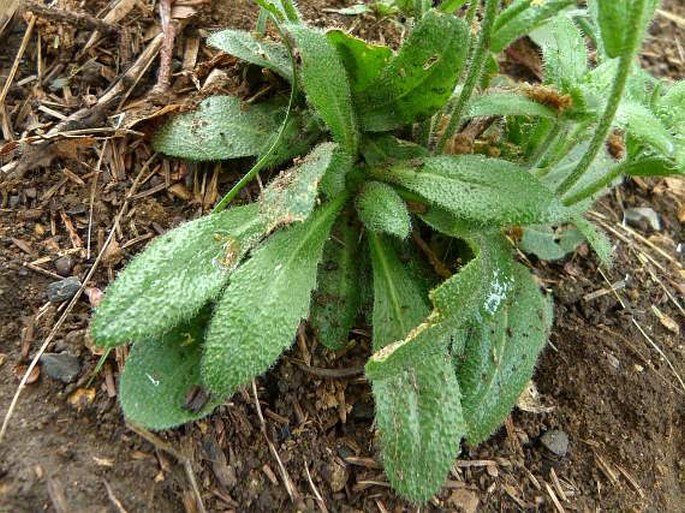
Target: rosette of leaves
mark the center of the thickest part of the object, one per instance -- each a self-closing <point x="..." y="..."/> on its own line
<point x="456" y="326"/>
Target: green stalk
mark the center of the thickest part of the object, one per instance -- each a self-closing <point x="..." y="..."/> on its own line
<point x="632" y="45"/>
<point x="541" y="151"/>
<point x="262" y="19"/>
<point x="594" y="187"/>
<point x="475" y="73"/>
<point x="290" y="11"/>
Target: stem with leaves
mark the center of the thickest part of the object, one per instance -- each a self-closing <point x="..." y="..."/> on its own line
<point x="480" y="53"/>
<point x="630" y="49"/>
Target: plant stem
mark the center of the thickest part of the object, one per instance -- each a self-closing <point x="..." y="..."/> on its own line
<point x="632" y="44"/>
<point x="594" y="187"/>
<point x="475" y="72"/>
<point x="541" y="151"/>
<point x="262" y="19"/>
<point x="290" y="11"/>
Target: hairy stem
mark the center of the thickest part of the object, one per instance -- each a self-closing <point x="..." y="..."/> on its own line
<point x="543" y="148"/>
<point x="475" y="73"/>
<point x="632" y="45"/>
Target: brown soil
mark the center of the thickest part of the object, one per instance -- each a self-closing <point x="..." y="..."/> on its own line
<point x="603" y="378"/>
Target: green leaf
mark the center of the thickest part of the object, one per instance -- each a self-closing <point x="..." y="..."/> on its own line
<point x="222" y="127"/>
<point x="255" y="50"/>
<point x="381" y="149"/>
<point x="651" y="166"/>
<point x="334" y="180"/>
<point x="420" y="423"/>
<point x="160" y="386"/>
<point x="337" y="299"/>
<point x="175" y="276"/>
<point x="258" y="314"/>
<point x="500" y="356"/>
<point x="642" y="124"/>
<point x="363" y="61"/>
<point x="292" y="196"/>
<point x="597" y="239"/>
<point x="522" y="17"/>
<point x="326" y="84"/>
<point x="400" y="299"/>
<point x="507" y="104"/>
<point x="564" y="52"/>
<point x="614" y="19"/>
<point x="476" y="291"/>
<point x="420" y="79"/>
<point x="382" y="210"/>
<point x="449" y="6"/>
<point x="480" y="190"/>
<point x="550" y="244"/>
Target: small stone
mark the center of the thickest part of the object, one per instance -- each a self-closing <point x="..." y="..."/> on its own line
<point x="556" y="441"/>
<point x="63" y="290"/>
<point x="337" y="476"/>
<point x="642" y="217"/>
<point x="64" y="265"/>
<point x="64" y="367"/>
<point x="31" y="192"/>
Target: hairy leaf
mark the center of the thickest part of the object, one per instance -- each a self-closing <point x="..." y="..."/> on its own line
<point x="161" y="387"/>
<point x="419" y="80"/>
<point x="255" y="50"/>
<point x="521" y="17"/>
<point x="382" y="210"/>
<point x="337" y="299"/>
<point x="549" y="244"/>
<point x="258" y="314"/>
<point x="481" y="190"/>
<point x="564" y="52"/>
<point x="221" y="128"/>
<point x="363" y="61"/>
<point x="292" y="196"/>
<point x="400" y="299"/>
<point x="597" y="239"/>
<point x="645" y="126"/>
<point x="175" y="276"/>
<point x="477" y="291"/>
<point x="500" y="356"/>
<point x="614" y="20"/>
<point x="651" y="166"/>
<point x="420" y="423"/>
<point x="334" y="180"/>
<point x="507" y="104"/>
<point x="326" y="84"/>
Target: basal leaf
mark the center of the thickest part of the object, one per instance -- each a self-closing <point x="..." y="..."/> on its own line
<point x="547" y="243"/>
<point x="651" y="166"/>
<point x="507" y="104"/>
<point x="363" y="61"/>
<point x="500" y="356"/>
<point x="326" y="84"/>
<point x="481" y="190"/>
<point x="221" y="128"/>
<point x="420" y="79"/>
<point x="522" y="17"/>
<point x="334" y="180"/>
<point x="292" y="196"/>
<point x="337" y="299"/>
<point x="255" y="50"/>
<point x="564" y="52"/>
<point x="382" y="210"/>
<point x="269" y="295"/>
<point x="160" y="386"/>
<point x="420" y="423"/>
<point x="400" y="299"/>
<point x="597" y="239"/>
<point x="477" y="291"/>
<point x="175" y="276"/>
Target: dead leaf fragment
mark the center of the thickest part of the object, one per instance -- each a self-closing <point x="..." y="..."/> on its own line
<point x="81" y="397"/>
<point x="20" y="370"/>
<point x="666" y="320"/>
<point x="530" y="401"/>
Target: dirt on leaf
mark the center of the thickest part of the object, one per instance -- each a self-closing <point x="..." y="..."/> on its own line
<point x="603" y="428"/>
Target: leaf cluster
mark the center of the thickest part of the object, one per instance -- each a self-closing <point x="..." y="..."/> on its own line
<point x="370" y="221"/>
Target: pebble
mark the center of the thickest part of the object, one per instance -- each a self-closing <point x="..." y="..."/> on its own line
<point x="639" y="216"/>
<point x="556" y="441"/>
<point x="64" y="367"/>
<point x="64" y="265"/>
<point x="63" y="290"/>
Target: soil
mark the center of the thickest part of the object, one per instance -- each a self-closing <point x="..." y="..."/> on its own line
<point x="610" y="378"/>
